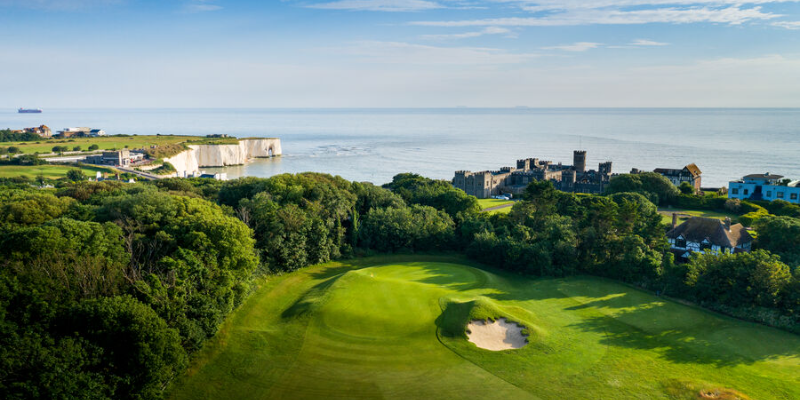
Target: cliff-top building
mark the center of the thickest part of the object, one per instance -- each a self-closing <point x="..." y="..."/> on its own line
<point x="43" y="131"/>
<point x="766" y="186"/>
<point x="569" y="178"/>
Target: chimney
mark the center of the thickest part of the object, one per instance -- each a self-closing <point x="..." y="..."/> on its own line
<point x="674" y="220"/>
<point x="728" y="224"/>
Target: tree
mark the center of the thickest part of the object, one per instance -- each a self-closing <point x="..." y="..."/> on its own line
<point x="14" y="150"/>
<point x="647" y="183"/>
<point x="686" y="188"/>
<point x="779" y="235"/>
<point x="76" y="175"/>
<point x="412" y="228"/>
<point x="439" y="194"/>
<point x="138" y="353"/>
<point x="738" y="280"/>
<point x="94" y="147"/>
<point x="30" y="207"/>
<point x="76" y="148"/>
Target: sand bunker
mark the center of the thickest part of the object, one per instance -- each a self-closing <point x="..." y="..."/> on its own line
<point x="496" y="336"/>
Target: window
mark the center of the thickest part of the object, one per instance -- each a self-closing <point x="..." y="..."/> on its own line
<point x="780" y="195"/>
<point x="793" y="196"/>
<point x="680" y="242"/>
<point x="746" y="192"/>
<point x="769" y="193"/>
<point x="735" y="191"/>
<point x="705" y="245"/>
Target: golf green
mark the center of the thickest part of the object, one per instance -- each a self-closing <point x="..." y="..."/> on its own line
<point x="394" y="328"/>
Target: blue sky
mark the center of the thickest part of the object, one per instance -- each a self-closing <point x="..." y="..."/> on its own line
<point x="400" y="53"/>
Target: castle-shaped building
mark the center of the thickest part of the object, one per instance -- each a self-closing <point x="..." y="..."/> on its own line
<point x="568" y="178"/>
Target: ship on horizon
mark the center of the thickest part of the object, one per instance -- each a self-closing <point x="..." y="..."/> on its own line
<point x="29" y="111"/>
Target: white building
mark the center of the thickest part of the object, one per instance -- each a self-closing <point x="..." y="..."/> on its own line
<point x="708" y="236"/>
<point x="764" y="187"/>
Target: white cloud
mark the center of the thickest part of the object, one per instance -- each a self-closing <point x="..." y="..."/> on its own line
<point x="794" y="25"/>
<point x="578" y="46"/>
<point x="196" y="6"/>
<point x="378" y="5"/>
<point x="415" y="54"/>
<point x="728" y="15"/>
<point x="492" y="30"/>
<point x="550" y="5"/>
<point x="647" y="42"/>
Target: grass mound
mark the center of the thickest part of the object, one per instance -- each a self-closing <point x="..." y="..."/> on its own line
<point x="395" y="328"/>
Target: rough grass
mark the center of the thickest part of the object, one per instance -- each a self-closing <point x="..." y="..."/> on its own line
<point x="104" y="143"/>
<point x="393" y="328"/>
<point x="48" y="171"/>
<point x="666" y="215"/>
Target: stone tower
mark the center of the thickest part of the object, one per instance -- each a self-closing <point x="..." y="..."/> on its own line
<point x="579" y="161"/>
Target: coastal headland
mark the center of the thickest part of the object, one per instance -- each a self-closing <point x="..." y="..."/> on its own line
<point x="148" y="156"/>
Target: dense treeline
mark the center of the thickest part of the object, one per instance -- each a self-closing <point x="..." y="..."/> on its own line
<point x="7" y="135"/>
<point x="107" y="288"/>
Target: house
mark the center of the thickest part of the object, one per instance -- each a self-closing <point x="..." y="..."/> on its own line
<point x="43" y="131"/>
<point x="80" y="132"/>
<point x="689" y="173"/>
<point x="765" y="187"/>
<point x="707" y="236"/>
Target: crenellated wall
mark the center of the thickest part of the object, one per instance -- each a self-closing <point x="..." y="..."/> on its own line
<point x="222" y="155"/>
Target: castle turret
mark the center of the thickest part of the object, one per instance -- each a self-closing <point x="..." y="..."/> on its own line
<point x="605" y="168"/>
<point x="579" y="161"/>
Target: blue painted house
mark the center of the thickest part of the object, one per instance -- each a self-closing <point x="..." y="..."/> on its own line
<point x="764" y="187"/>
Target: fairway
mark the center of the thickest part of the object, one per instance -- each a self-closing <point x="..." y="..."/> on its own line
<point x="394" y="328"/>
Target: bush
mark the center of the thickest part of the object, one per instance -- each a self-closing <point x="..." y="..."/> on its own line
<point x="94" y="147"/>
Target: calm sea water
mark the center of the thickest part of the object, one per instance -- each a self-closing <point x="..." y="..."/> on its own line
<point x="373" y="145"/>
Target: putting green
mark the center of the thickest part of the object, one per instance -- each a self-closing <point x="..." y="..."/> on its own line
<point x="393" y="328"/>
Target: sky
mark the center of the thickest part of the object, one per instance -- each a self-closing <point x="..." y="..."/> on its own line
<point x="399" y="53"/>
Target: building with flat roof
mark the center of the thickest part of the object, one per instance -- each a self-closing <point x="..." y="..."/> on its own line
<point x="122" y="158"/>
<point x="766" y="187"/>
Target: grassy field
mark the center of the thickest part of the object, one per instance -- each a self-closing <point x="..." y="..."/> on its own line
<point x="393" y="328"/>
<point x="666" y="214"/>
<point x="104" y="143"/>
<point x="48" y="171"/>
<point x="489" y="203"/>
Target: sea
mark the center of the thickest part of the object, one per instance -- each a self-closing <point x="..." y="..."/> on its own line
<point x="375" y="144"/>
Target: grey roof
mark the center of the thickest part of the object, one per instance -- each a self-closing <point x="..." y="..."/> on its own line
<point x="698" y="229"/>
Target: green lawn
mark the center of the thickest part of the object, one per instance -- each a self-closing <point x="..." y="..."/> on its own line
<point x="104" y="143"/>
<point x="666" y="214"/>
<point x="393" y="328"/>
<point x="48" y="171"/>
<point x="489" y="203"/>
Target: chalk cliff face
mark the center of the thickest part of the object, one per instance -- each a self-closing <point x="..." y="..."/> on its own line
<point x="212" y="155"/>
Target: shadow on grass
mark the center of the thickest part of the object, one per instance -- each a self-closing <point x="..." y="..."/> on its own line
<point x="306" y="302"/>
<point x="635" y="324"/>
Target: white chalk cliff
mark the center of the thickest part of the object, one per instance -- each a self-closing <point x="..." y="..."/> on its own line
<point x="222" y="155"/>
